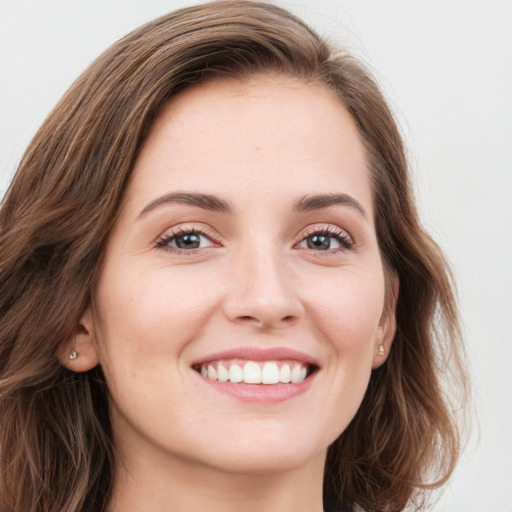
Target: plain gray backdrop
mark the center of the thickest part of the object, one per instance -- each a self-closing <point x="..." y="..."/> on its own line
<point x="446" y="67"/>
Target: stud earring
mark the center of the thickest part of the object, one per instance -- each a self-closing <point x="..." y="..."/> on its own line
<point x="73" y="355"/>
<point x="381" y="350"/>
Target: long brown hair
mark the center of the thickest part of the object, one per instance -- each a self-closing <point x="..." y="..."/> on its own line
<point x="56" y="448"/>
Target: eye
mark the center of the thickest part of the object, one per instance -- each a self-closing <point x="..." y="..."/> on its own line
<point x="185" y="240"/>
<point x="327" y="239"/>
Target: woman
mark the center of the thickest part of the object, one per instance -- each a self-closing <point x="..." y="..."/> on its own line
<point x="216" y="293"/>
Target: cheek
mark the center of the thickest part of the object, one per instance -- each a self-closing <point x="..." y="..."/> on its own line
<point x="344" y="309"/>
<point x="348" y="310"/>
<point x="148" y="316"/>
<point x="146" y="321"/>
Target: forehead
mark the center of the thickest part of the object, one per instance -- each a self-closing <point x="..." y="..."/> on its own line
<point x="263" y="133"/>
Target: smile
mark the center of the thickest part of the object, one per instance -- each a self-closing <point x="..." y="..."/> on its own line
<point x="256" y="372"/>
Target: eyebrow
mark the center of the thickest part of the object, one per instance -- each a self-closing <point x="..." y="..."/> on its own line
<point x="212" y="203"/>
<point x="204" y="201"/>
<point x="318" y="201"/>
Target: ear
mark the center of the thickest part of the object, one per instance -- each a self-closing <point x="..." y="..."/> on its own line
<point x="387" y="328"/>
<point x="80" y="353"/>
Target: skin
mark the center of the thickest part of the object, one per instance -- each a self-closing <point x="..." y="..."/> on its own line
<point x="260" y="145"/>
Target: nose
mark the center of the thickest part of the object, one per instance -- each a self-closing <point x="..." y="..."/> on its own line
<point x="262" y="293"/>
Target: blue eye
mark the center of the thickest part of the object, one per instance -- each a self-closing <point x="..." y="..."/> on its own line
<point x="188" y="241"/>
<point x="185" y="241"/>
<point x="327" y="240"/>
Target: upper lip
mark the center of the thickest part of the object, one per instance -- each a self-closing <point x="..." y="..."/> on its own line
<point x="258" y="354"/>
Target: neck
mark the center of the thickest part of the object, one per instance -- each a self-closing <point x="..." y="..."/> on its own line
<point x="177" y="485"/>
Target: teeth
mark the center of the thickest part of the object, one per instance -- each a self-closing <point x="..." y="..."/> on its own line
<point x="212" y="372"/>
<point x="296" y="374"/>
<point x="254" y="373"/>
<point x="222" y="373"/>
<point x="285" y="374"/>
<point x="270" y="374"/>
<point x="236" y="374"/>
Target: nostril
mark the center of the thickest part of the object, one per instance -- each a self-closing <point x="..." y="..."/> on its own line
<point x="266" y="322"/>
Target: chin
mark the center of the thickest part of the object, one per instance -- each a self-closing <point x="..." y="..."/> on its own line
<point x="278" y="451"/>
<point x="268" y="462"/>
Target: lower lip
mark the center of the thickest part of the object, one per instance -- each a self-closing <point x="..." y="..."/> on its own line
<point x="260" y="392"/>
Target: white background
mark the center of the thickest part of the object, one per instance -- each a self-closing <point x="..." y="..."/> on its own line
<point x="446" y="66"/>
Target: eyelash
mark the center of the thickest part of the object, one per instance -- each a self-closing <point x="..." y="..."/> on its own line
<point x="164" y="241"/>
<point x="342" y="237"/>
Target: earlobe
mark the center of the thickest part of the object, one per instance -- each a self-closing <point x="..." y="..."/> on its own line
<point x="384" y="340"/>
<point x="79" y="353"/>
<point x="386" y="329"/>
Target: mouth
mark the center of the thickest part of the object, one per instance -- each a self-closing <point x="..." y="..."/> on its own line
<point x="243" y="371"/>
<point x="258" y="374"/>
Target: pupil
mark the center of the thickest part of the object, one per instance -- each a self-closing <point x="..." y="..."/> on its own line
<point x="188" y="241"/>
<point x="321" y="242"/>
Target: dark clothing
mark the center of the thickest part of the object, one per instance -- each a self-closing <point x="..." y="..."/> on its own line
<point x="331" y="504"/>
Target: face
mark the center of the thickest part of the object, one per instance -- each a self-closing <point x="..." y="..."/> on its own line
<point x="240" y="303"/>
